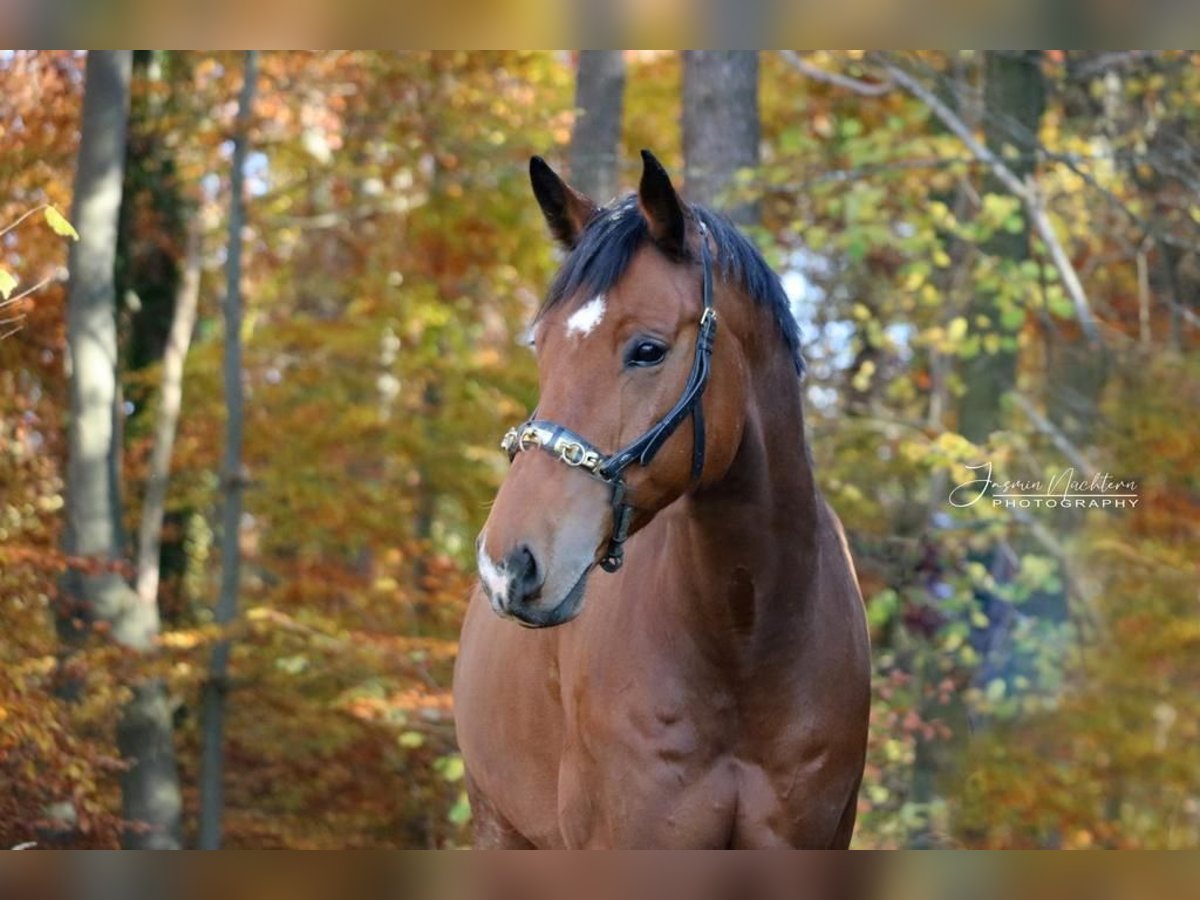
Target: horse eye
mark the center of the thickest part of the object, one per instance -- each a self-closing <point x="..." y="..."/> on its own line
<point x="643" y="352"/>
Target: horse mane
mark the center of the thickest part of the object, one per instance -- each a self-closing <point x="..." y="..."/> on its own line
<point x="616" y="232"/>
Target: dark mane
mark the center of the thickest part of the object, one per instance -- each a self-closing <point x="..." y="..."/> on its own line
<point x="612" y="237"/>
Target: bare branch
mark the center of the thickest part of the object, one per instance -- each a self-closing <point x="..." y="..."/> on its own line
<point x="1143" y="284"/>
<point x="12" y="301"/>
<point x="1025" y="191"/>
<point x="804" y="67"/>
<point x="1188" y="316"/>
<point x="1036" y="209"/>
<point x="10" y="332"/>
<point x="1107" y="61"/>
<point x="22" y="218"/>
<point x="1064" y="444"/>
<point x="1073" y="161"/>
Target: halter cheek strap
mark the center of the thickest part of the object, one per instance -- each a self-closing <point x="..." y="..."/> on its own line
<point x="570" y="448"/>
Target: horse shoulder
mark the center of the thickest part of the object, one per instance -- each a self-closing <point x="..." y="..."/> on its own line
<point x="509" y="725"/>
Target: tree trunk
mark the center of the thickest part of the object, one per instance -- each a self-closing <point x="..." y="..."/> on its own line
<point x="720" y="125"/>
<point x="596" y="138"/>
<point x="1013" y="100"/>
<point x="93" y="508"/>
<point x="157" y="212"/>
<point x="94" y="590"/>
<point x="174" y="355"/>
<point x="211" y="763"/>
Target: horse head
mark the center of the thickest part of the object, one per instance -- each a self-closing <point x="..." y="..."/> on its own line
<point x="627" y="351"/>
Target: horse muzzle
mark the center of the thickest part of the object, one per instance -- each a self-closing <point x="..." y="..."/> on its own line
<point x="516" y="589"/>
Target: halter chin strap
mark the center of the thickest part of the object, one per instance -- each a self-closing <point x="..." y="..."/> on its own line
<point x="578" y="452"/>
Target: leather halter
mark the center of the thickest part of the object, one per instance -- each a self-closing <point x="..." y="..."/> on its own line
<point x="578" y="452"/>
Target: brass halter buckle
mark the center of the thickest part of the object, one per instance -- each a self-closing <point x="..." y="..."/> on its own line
<point x="530" y="439"/>
<point x="520" y="438"/>
<point x="571" y="453"/>
<point x="576" y="455"/>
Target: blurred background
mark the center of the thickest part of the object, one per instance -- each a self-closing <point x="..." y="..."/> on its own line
<point x="994" y="257"/>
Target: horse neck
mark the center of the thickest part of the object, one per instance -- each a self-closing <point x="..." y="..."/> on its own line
<point x="752" y="537"/>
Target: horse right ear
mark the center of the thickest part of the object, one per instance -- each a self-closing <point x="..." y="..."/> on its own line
<point x="664" y="212"/>
<point x="566" y="210"/>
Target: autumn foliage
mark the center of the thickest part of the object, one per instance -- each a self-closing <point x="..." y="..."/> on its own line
<point x="1036" y="670"/>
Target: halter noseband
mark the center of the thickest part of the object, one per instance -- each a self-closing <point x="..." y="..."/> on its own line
<point x="578" y="452"/>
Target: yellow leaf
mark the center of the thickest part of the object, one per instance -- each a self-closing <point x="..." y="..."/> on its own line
<point x="8" y="281"/>
<point x="957" y="329"/>
<point x="58" y="223"/>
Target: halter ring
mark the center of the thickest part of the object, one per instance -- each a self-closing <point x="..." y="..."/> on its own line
<point x="571" y="453"/>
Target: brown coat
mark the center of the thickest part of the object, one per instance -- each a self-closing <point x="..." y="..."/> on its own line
<point x="714" y="691"/>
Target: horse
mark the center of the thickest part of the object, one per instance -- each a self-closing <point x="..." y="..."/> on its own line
<point x="694" y="670"/>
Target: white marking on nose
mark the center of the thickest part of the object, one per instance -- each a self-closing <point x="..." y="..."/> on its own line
<point x="494" y="577"/>
<point x="585" y="319"/>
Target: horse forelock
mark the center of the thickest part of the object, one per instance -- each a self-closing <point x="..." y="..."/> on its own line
<point x="616" y="232"/>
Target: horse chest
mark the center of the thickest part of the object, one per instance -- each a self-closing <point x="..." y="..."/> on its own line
<point x="669" y="772"/>
<point x="661" y="800"/>
<point x="668" y="792"/>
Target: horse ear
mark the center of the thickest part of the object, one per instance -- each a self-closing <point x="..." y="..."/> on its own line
<point x="663" y="210"/>
<point x="566" y="210"/>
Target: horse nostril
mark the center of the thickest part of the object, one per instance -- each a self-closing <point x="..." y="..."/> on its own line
<point x="525" y="575"/>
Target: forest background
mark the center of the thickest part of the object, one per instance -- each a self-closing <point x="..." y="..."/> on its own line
<point x="994" y="257"/>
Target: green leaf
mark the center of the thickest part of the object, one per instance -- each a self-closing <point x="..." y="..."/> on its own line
<point x="1012" y="318"/>
<point x="460" y="813"/>
<point x="882" y="608"/>
<point x="850" y="128"/>
<point x="1058" y="303"/>
<point x="58" y="223"/>
<point x="451" y="768"/>
<point x="8" y="282"/>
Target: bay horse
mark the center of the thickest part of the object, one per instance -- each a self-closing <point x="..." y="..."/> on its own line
<point x="710" y="686"/>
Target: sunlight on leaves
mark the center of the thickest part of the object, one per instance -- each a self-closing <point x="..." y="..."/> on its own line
<point x="58" y="223"/>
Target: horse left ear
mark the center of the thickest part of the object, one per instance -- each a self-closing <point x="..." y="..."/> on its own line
<point x="663" y="210"/>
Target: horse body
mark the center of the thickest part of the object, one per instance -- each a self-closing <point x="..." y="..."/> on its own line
<point x="715" y="690"/>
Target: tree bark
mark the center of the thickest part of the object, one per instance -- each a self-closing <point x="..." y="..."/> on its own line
<point x="1014" y="97"/>
<point x="211" y="763"/>
<point x="720" y="125"/>
<point x="174" y="355"/>
<point x="93" y="508"/>
<point x="596" y="137"/>
<point x="157" y="214"/>
<point x="93" y="589"/>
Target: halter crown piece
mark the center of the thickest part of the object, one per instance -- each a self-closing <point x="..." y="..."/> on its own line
<point x="570" y="448"/>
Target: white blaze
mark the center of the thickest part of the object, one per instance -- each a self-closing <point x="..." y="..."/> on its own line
<point x="585" y="319"/>
<point x="495" y="579"/>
